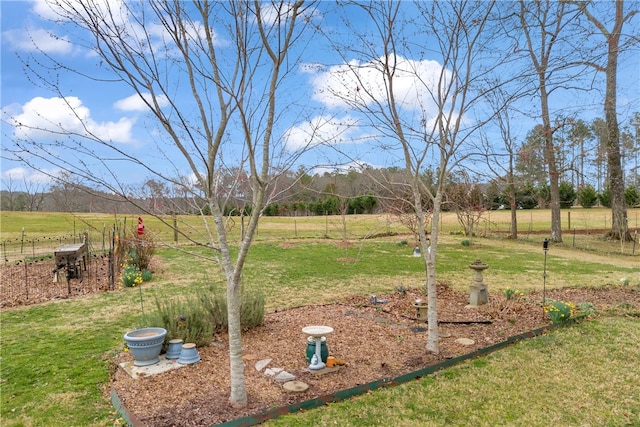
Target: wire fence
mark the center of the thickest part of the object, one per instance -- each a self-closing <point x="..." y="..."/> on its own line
<point x="35" y="281"/>
<point x="34" y="270"/>
<point x="28" y="273"/>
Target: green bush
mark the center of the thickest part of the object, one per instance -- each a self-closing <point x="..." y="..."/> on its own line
<point x="587" y="196"/>
<point x="631" y="197"/>
<point x="567" y="194"/>
<point x="195" y="318"/>
<point x="146" y="275"/>
<point x="186" y="319"/>
<point x="605" y="198"/>
<point x="526" y="196"/>
<point x="251" y="308"/>
<point x="543" y="193"/>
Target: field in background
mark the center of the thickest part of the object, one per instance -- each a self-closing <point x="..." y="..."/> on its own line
<point x="33" y="234"/>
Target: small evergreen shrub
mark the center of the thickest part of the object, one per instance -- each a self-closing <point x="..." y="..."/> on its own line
<point x="587" y="196"/>
<point x="186" y="319"/>
<point x="605" y="198"/>
<point x="194" y="319"/>
<point x="567" y="194"/>
<point x="252" y="310"/>
<point x="146" y="275"/>
<point x="631" y="197"/>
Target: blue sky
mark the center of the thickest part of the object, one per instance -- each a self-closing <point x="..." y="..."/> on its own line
<point x="112" y="111"/>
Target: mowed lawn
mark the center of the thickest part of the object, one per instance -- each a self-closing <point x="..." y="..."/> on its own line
<point x="56" y="358"/>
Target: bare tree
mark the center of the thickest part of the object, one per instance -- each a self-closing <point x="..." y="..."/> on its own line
<point x="209" y="74"/>
<point x="501" y="157"/>
<point x="613" y="36"/>
<point x="427" y="123"/>
<point x="9" y="195"/>
<point x="543" y="24"/>
<point x="466" y="199"/>
<point x="34" y="193"/>
<point x="579" y="134"/>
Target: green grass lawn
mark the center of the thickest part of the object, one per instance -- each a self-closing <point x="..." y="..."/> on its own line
<point x="56" y="358"/>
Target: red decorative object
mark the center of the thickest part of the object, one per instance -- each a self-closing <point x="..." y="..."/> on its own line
<point x="140" y="227"/>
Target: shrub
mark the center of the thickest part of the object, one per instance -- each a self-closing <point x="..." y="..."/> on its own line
<point x="137" y="250"/>
<point x="567" y="194"/>
<point x="587" y="196"/>
<point x="186" y="319"/>
<point x="146" y="275"/>
<point x="631" y="197"/>
<point x="543" y="193"/>
<point x="605" y="198"/>
<point x="466" y="242"/>
<point x="251" y="308"/>
<point x="526" y="196"/>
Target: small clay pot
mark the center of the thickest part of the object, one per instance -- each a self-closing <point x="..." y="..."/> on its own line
<point x="331" y="362"/>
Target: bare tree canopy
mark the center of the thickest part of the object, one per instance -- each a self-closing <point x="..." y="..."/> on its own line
<point x="209" y="74"/>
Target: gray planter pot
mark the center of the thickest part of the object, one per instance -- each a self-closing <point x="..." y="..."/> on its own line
<point x="145" y="345"/>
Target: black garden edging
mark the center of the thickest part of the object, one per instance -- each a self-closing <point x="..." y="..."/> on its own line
<point x="350" y="392"/>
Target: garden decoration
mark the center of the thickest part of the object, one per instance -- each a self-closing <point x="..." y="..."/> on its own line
<point x="174" y="348"/>
<point x="373" y="299"/>
<point x="478" y="290"/>
<point x="317" y="332"/>
<point x="311" y="349"/>
<point x="421" y="310"/>
<point x="189" y="354"/>
<point x="145" y="345"/>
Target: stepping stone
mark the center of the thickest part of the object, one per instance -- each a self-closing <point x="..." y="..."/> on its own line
<point x="261" y="364"/>
<point x="465" y="341"/>
<point x="284" y="377"/>
<point x="272" y="372"/>
<point x="295" y="386"/>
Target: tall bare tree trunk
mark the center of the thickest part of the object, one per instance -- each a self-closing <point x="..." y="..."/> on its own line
<point x="432" y="289"/>
<point x="619" y="226"/>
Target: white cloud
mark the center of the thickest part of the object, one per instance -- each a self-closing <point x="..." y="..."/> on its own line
<point x="344" y="85"/>
<point x="15" y="173"/>
<point x="321" y="130"/>
<point x="52" y="10"/>
<point x="44" y="9"/>
<point x="135" y="103"/>
<point x="44" y="117"/>
<point x="19" y="175"/>
<point x="36" y="39"/>
<point x="269" y="12"/>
